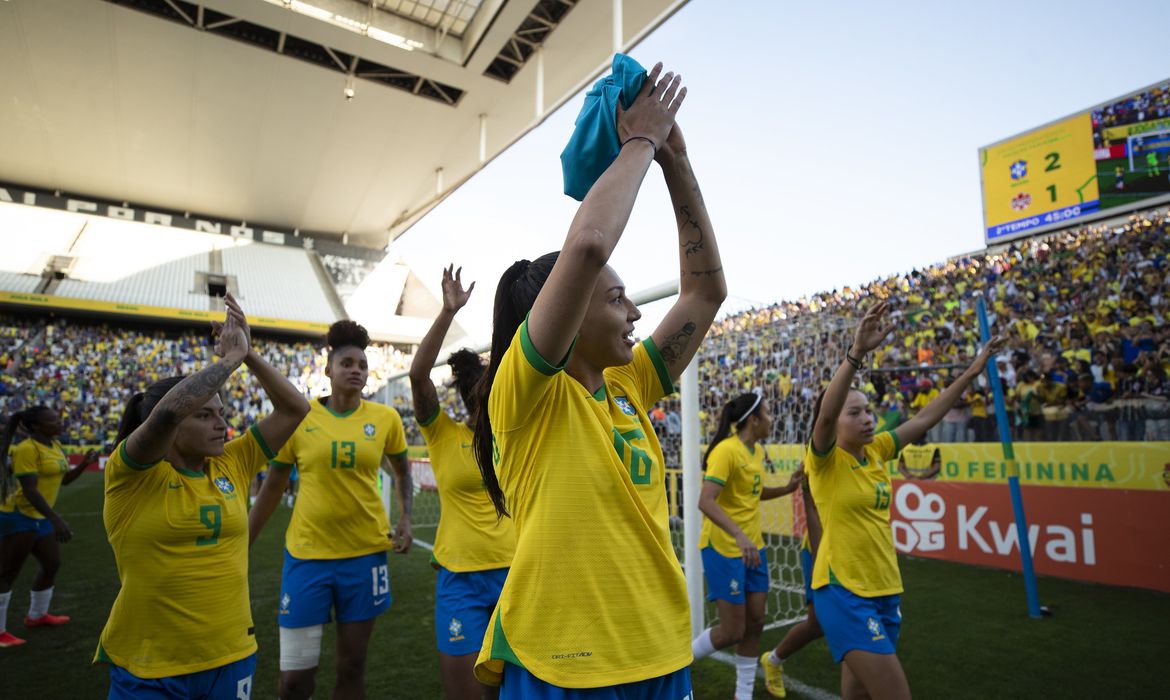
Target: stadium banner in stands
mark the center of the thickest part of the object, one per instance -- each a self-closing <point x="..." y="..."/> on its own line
<point x="1118" y="537"/>
<point x="1107" y="160"/>
<point x="52" y="301"/>
<point x="1102" y="465"/>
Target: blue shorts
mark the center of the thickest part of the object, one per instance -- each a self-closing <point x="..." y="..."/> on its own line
<point x="464" y="603"/>
<point x="728" y="579"/>
<point x="233" y="681"/>
<point x="519" y="684"/>
<point x="358" y="588"/>
<point x="851" y="622"/>
<point x="806" y="567"/>
<point x="16" y="522"/>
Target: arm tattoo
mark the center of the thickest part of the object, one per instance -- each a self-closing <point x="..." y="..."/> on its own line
<point x="691" y="247"/>
<point x="706" y="273"/>
<point x="674" y="346"/>
<point x="406" y="484"/>
<point x="194" y="391"/>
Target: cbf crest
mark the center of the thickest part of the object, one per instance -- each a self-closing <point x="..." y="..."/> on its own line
<point x="370" y="429"/>
<point x="224" y="485"/>
<point x="625" y="406"/>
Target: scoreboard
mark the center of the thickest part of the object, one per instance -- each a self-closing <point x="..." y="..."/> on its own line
<point x="1104" y="161"/>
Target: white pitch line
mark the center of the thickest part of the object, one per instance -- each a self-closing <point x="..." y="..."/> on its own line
<point x="789" y="682"/>
<point x="425" y="545"/>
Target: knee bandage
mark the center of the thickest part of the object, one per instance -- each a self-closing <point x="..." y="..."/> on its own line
<point x="300" y="647"/>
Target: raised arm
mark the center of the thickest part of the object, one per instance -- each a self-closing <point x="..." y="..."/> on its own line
<point x="426" y="399"/>
<point x="701" y="286"/>
<point x="90" y="457"/>
<point x="912" y="430"/>
<point x="560" y="307"/>
<point x="151" y="440"/>
<point x="870" y="334"/>
<point x="794" y="482"/>
<point x="289" y="407"/>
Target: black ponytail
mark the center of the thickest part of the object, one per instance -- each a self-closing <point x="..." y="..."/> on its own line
<point x="466" y="370"/>
<point x="20" y="420"/>
<point x="736" y="411"/>
<point x="140" y="405"/>
<point x="515" y="294"/>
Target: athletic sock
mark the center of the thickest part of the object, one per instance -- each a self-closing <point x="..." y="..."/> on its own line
<point x="745" y="676"/>
<point x="701" y="646"/>
<point x="775" y="660"/>
<point x="4" y="598"/>
<point x="39" y="603"/>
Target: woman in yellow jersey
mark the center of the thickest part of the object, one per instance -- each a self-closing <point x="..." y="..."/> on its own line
<point x="473" y="547"/>
<point x="732" y="539"/>
<point x="856" y="582"/>
<point x="28" y="523"/>
<point x="335" y="563"/>
<point x="176" y="513"/>
<point x="595" y="603"/>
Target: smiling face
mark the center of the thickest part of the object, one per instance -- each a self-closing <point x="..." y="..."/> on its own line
<point x="606" y="336"/>
<point x="203" y="433"/>
<point x="855" y="424"/>
<point x="348" y="370"/>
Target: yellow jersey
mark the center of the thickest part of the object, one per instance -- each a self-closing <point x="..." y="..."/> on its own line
<point x="180" y="541"/>
<point x="47" y="463"/>
<point x="339" y="513"/>
<point x="740" y="471"/>
<point x="853" y="498"/>
<point x="919" y="459"/>
<point x="595" y="596"/>
<point x="470" y="536"/>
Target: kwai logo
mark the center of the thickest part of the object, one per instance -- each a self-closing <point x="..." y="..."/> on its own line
<point x="924" y="531"/>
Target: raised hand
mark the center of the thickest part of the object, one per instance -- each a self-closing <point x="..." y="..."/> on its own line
<point x="872" y="331"/>
<point x="992" y="348"/>
<point x="797" y="477"/>
<point x="653" y="111"/>
<point x="454" y="295"/>
<point x="231" y="338"/>
<point x="674" y="146"/>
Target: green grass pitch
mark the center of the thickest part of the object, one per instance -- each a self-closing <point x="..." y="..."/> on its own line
<point x="966" y="634"/>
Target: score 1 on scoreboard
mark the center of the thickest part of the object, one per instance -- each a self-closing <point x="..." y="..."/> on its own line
<point x="1039" y="179"/>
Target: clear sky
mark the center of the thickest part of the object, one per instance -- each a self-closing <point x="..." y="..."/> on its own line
<point x="835" y="142"/>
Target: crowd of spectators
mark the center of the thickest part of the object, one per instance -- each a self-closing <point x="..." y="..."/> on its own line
<point x="89" y="370"/>
<point x="1085" y="313"/>
<point x="1084" y="310"/>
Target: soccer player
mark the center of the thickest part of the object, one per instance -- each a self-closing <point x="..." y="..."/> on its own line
<point x="335" y="548"/>
<point x="176" y="513"/>
<point x="919" y="461"/>
<point x="595" y="598"/>
<point x="732" y="538"/>
<point x="856" y="582"/>
<point x="28" y="523"/>
<point x="807" y="630"/>
<point x="473" y="547"/>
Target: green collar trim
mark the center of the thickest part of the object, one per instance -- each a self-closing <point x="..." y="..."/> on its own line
<point x="599" y="395"/>
<point x="335" y="414"/>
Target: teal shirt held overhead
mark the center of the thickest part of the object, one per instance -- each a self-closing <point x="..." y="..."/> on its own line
<point x="594" y="144"/>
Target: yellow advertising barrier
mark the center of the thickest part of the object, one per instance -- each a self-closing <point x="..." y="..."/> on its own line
<point x="52" y="301"/>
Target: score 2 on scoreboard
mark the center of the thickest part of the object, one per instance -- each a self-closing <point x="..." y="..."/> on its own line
<point x="1044" y="177"/>
<point x="1104" y="161"/>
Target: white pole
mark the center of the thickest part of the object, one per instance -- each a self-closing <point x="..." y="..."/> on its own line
<point x="691" y="485"/>
<point x="618" y="40"/>
<point x="539" y="82"/>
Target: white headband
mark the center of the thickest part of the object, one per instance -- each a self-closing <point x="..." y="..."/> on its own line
<point x="748" y="412"/>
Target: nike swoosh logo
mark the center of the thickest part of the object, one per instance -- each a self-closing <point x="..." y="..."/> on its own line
<point x="465" y="445"/>
<point x="174" y="486"/>
<point x="379" y="601"/>
<point x="309" y="430"/>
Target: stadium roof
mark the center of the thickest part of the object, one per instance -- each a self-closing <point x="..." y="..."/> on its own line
<point x="237" y="109"/>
